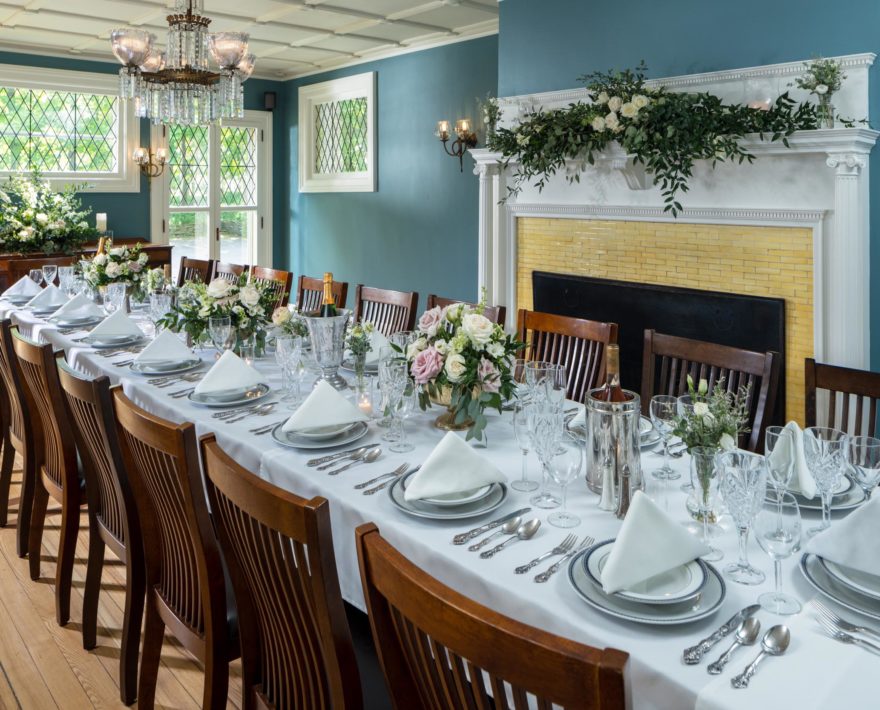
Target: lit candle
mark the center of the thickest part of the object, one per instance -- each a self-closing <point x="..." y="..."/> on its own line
<point x="364" y="403"/>
<point x="462" y="127"/>
<point x="101" y="222"/>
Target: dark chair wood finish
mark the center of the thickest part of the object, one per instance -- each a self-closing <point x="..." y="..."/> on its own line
<point x="390" y="311"/>
<point x="199" y="270"/>
<point x="21" y="267"/>
<point x="496" y="314"/>
<point x="230" y="272"/>
<point x="7" y="453"/>
<point x="25" y="435"/>
<point x="59" y="470"/>
<point x="667" y="361"/>
<point x="437" y="647"/>
<point x="295" y="641"/>
<point x="310" y="294"/>
<point x="575" y="343"/>
<point x="852" y="398"/>
<point x="186" y="590"/>
<point x="279" y="282"/>
<point x="113" y="520"/>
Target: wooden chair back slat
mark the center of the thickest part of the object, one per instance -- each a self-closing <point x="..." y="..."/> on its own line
<point x="310" y="294"/>
<point x="576" y="344"/>
<point x="229" y="272"/>
<point x="21" y="267"/>
<point x="668" y="360"/>
<point x="496" y="314"/>
<point x="277" y="281"/>
<point x="390" y="311"/>
<point x="23" y="426"/>
<point x="198" y="270"/>
<point x="842" y="397"/>
<point x="437" y="647"/>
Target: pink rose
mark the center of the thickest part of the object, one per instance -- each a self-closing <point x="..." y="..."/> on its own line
<point x="426" y="365"/>
<point x="490" y="378"/>
<point x="430" y="320"/>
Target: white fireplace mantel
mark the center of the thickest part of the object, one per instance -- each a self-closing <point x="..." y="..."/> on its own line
<point x="819" y="181"/>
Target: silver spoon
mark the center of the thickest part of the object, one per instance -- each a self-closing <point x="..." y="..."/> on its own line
<point x="259" y="410"/>
<point x="774" y="643"/>
<point x="509" y="528"/>
<point x="746" y="635"/>
<point x="523" y="532"/>
<point x="355" y="455"/>
<point x="370" y="456"/>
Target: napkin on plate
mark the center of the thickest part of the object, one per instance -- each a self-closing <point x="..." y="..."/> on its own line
<point x="853" y="542"/>
<point x="649" y="543"/>
<point x="789" y="451"/>
<point x="579" y="419"/>
<point x="116" y="324"/>
<point x="324" y="407"/>
<point x="49" y="297"/>
<point x="25" y="286"/>
<point x="167" y="347"/>
<point x="377" y="342"/>
<point x="452" y="467"/>
<point x="230" y="372"/>
<point x="79" y="307"/>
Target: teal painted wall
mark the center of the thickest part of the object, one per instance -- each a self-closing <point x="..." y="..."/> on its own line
<point x="546" y="45"/>
<point x="419" y="231"/>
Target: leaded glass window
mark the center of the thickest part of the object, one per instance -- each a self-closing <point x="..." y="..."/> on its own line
<point x="341" y="136"/>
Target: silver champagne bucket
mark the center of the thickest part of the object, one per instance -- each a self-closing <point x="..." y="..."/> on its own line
<point x="328" y="346"/>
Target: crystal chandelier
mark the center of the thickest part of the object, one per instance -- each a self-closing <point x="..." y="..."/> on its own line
<point x="182" y="85"/>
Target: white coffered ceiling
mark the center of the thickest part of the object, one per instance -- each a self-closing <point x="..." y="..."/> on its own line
<point x="289" y="37"/>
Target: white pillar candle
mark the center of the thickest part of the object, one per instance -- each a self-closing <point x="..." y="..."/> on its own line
<point x="101" y="222"/>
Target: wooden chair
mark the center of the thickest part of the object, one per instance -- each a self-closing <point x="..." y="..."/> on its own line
<point x="390" y="311"/>
<point x="850" y="393"/>
<point x="230" y="272"/>
<point x="113" y="520"/>
<point x="436" y="647"/>
<point x="679" y="357"/>
<point x="310" y="294"/>
<point x="496" y="314"/>
<point x="58" y="470"/>
<point x="186" y="588"/>
<point x="25" y="434"/>
<point x="279" y="282"/>
<point x="7" y="452"/>
<point x="21" y="267"/>
<point x="575" y="343"/>
<point x="199" y="270"/>
<point x="296" y="647"/>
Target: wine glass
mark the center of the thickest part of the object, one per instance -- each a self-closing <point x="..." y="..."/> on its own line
<point x="743" y="488"/>
<point x="220" y="332"/>
<point x="65" y="273"/>
<point x="160" y="306"/>
<point x="705" y="480"/>
<point x="664" y="410"/>
<point x="565" y="465"/>
<point x="546" y="430"/>
<point x="537" y="373"/>
<point x="826" y="451"/>
<point x="75" y="286"/>
<point x="524" y="440"/>
<point x="49" y="273"/>
<point x="401" y="412"/>
<point x="778" y="531"/>
<point x="114" y="297"/>
<point x="864" y="459"/>
<point x="288" y="354"/>
<point x="780" y="466"/>
<point x="36" y="275"/>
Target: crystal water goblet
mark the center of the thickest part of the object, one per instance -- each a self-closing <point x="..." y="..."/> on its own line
<point x="220" y="332"/>
<point x="50" y="271"/>
<point x="744" y="489"/>
<point x="826" y="452"/>
<point x="565" y="465"/>
<point x="288" y="354"/>
<point x="65" y="274"/>
<point x="524" y="440"/>
<point x="780" y="468"/>
<point x="778" y="532"/>
<point x="36" y="275"/>
<point x="115" y="293"/>
<point x="664" y="411"/>
<point x="545" y="426"/>
<point x="160" y="306"/>
<point x="864" y="459"/>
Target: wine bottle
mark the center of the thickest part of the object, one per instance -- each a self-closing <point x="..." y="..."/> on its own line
<point x="611" y="391"/>
<point x="328" y="307"/>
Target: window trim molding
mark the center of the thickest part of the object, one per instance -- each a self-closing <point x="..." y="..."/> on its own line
<point x="355" y="86"/>
<point x="126" y="178"/>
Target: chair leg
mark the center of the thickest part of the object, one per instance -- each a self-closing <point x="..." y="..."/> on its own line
<point x="92" y="590"/>
<point x="154" y="633"/>
<point x="5" y="478"/>
<point x="40" y="500"/>
<point x="135" y="592"/>
<point x="216" y="679"/>
<point x="66" y="557"/>
<point x="26" y="502"/>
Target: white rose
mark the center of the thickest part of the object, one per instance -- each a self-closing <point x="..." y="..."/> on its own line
<point x="113" y="269"/>
<point x="602" y="98"/>
<point x="249" y="296"/>
<point x="100" y="259"/>
<point x="598" y="124"/>
<point x="727" y="442"/>
<point x="280" y="316"/>
<point x="455" y="367"/>
<point x="41" y="218"/>
<point x="701" y="408"/>
<point x="628" y="110"/>
<point x="611" y="120"/>
<point x="117" y="251"/>
<point x="614" y="103"/>
<point x="640" y="101"/>
<point x="218" y="288"/>
<point x="452" y="313"/>
<point x="478" y="328"/>
<point x="821" y="89"/>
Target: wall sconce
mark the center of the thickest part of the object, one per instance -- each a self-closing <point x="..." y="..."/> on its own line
<point x="466" y="139"/>
<point x="151" y="164"/>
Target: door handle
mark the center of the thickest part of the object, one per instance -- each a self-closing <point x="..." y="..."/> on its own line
<point x="217" y="234"/>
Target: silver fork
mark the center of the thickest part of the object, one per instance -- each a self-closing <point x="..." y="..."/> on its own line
<point x="383" y="486"/>
<point x="396" y="472"/>
<point x="842" y="624"/>
<point x="554" y="568"/>
<point x="839" y="635"/>
<point x="182" y="393"/>
<point x="265" y="428"/>
<point x="563" y="547"/>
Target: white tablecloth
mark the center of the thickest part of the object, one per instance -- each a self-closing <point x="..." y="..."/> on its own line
<point x="659" y="679"/>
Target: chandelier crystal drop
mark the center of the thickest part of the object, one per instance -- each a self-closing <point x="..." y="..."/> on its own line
<point x="197" y="79"/>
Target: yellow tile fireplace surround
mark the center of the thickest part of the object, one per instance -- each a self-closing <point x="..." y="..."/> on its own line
<point x="744" y="259"/>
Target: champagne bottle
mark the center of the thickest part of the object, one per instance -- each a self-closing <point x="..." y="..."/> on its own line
<point x="328" y="307"/>
<point x="611" y="391"/>
<point x="100" y="249"/>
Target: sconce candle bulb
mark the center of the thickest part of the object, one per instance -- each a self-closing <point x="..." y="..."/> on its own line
<point x="151" y="164"/>
<point x="466" y="139"/>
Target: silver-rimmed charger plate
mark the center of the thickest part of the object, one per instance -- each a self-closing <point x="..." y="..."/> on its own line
<point x="820" y="580"/>
<point x="861" y="582"/>
<point x="294" y="441"/>
<point x="418" y="509"/>
<point x="83" y="322"/>
<point x="705" y="604"/>
<point x="249" y="395"/>
<point x="325" y="432"/>
<point x="41" y="311"/>
<point x="17" y="300"/>
<point x="174" y="369"/>
<point x="100" y="343"/>
<point x="692" y="578"/>
<point x="849" y="499"/>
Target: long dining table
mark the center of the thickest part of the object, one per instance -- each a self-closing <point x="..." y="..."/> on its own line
<point x="658" y="678"/>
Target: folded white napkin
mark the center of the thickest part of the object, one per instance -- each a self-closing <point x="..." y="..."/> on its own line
<point x="789" y="451"/>
<point x="580" y="419"/>
<point x="377" y="342"/>
<point x="25" y="286"/>
<point x="452" y="467"/>
<point x="49" y="297"/>
<point x="649" y="543"/>
<point x="115" y="324"/>
<point x="229" y="372"/>
<point x="79" y="307"/>
<point x="853" y="542"/>
<point x="167" y="347"/>
<point x="325" y="406"/>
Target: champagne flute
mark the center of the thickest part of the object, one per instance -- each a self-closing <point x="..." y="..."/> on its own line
<point x="826" y="452"/>
<point x="664" y="410"/>
<point x="564" y="467"/>
<point x="778" y="531"/>
<point x="546" y="429"/>
<point x="49" y="273"/>
<point x="781" y="465"/>
<point x="864" y="458"/>
<point x="524" y="440"/>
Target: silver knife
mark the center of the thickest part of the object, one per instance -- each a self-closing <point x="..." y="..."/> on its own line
<point x="476" y="532"/>
<point x="694" y="654"/>
<point x="331" y="457"/>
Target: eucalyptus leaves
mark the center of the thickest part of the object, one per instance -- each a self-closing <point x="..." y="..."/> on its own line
<point x="663" y="130"/>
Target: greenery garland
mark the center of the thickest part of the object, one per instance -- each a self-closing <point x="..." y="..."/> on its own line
<point x="663" y="130"/>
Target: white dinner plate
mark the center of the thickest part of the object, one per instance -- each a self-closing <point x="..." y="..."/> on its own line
<point x="81" y="322"/>
<point x="862" y="582"/>
<point x="852" y="497"/>
<point x="294" y="441"/>
<point x="18" y="300"/>
<point x="112" y="341"/>
<point x="166" y="367"/>
<point x="41" y="311"/>
<point x="461" y="498"/>
<point x="840" y="488"/>
<point x="325" y="432"/>
<point x="231" y="398"/>
<point x="819" y="579"/>
<point x="420" y="509"/>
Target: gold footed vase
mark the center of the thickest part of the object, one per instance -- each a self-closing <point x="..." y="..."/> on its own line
<point x="446" y="421"/>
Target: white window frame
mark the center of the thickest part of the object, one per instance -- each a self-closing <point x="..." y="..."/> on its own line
<point x="126" y="177"/>
<point x="350" y="87"/>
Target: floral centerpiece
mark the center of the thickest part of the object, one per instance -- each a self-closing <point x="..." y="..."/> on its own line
<point x="358" y="342"/>
<point x="123" y="264"/>
<point x="823" y="77"/>
<point x="462" y="360"/>
<point x="34" y="218"/>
